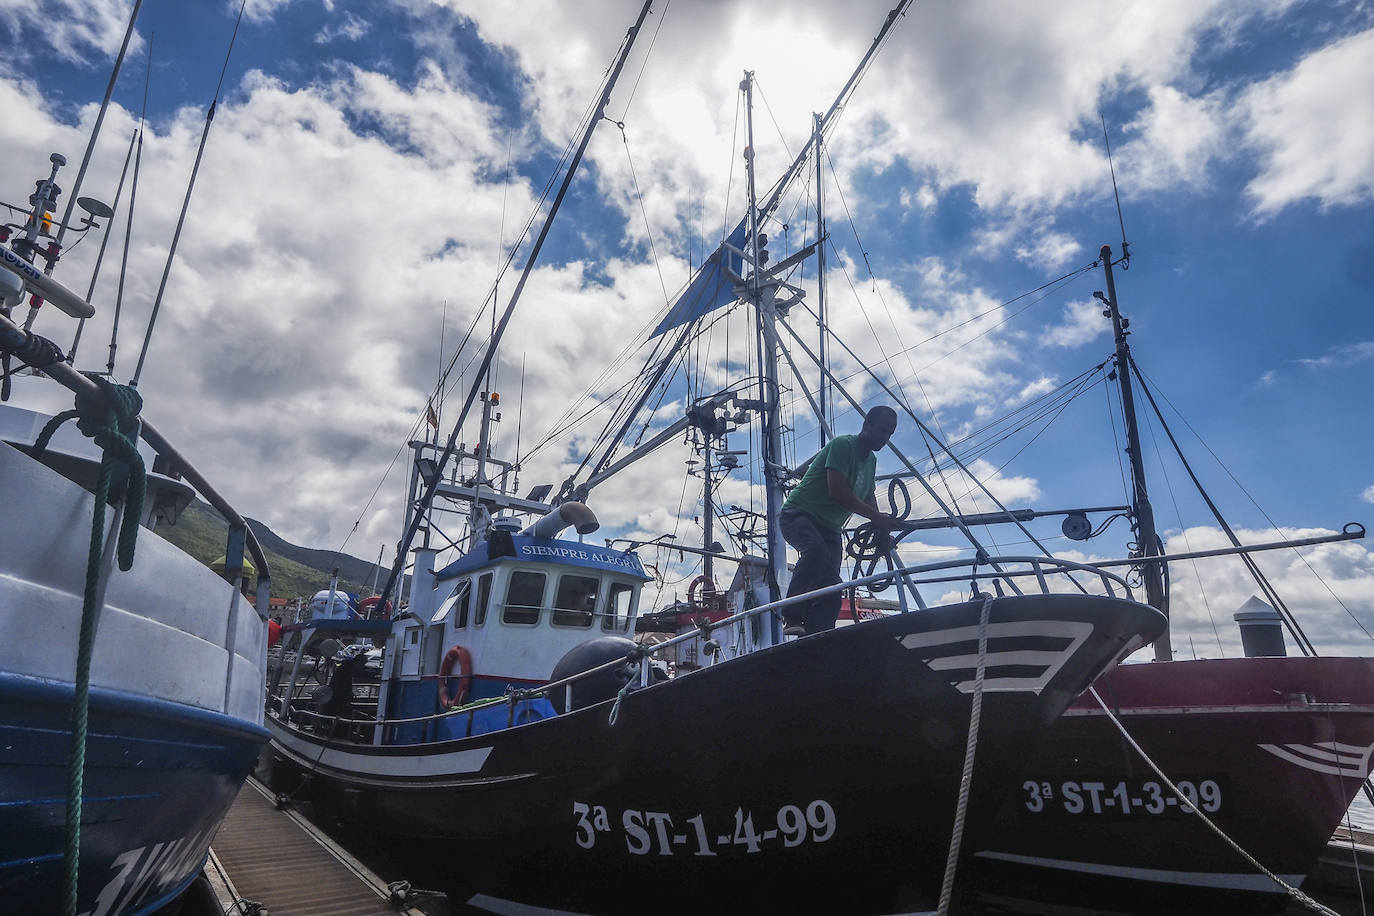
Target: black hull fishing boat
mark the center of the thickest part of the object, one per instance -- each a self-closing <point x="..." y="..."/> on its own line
<point x="837" y="754"/>
<point x="547" y="761"/>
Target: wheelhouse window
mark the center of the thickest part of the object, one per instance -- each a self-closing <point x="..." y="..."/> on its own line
<point x="619" y="607"/>
<point x="483" y="597"/>
<point x="524" y="597"/>
<point x="459" y="598"/>
<point x="575" y="603"/>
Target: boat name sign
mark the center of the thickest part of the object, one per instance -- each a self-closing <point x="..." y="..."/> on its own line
<point x="655" y="831"/>
<point x="584" y="554"/>
<point x="1120" y="798"/>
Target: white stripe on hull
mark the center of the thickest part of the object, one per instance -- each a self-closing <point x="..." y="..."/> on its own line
<point x="402" y="766"/>
<point x="1329" y="757"/>
<point x="1075" y="631"/>
<point x="1234" y="881"/>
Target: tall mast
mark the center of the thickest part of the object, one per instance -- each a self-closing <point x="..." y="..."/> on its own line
<point x="708" y="510"/>
<point x="762" y="297"/>
<point x="1146" y="535"/>
<point x="817" y="136"/>
<point x="421" y="506"/>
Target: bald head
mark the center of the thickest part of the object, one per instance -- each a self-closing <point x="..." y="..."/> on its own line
<point x="878" y="427"/>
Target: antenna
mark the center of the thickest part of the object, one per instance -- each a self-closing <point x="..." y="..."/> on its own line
<point x="1125" y="246"/>
<point x="186" y="203"/>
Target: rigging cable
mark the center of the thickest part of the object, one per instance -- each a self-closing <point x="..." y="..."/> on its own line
<point x="1183" y="530"/>
<point x="1256" y="504"/>
<point x="104" y="240"/>
<point x="186" y="204"/>
<point x="1293" y="627"/>
<point x="129" y="219"/>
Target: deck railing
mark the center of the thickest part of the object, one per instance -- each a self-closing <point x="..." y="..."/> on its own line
<point x="240" y="535"/>
<point x="1009" y="569"/>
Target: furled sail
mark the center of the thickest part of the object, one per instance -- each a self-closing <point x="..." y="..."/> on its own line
<point x="711" y="287"/>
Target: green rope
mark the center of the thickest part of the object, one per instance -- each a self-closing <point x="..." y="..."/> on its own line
<point x="111" y="419"/>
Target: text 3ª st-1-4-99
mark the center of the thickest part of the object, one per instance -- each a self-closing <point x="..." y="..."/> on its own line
<point x="658" y="832"/>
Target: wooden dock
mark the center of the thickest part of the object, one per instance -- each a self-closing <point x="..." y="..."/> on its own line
<point x="280" y="860"/>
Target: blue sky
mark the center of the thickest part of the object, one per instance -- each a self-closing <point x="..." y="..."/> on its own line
<point x="370" y="160"/>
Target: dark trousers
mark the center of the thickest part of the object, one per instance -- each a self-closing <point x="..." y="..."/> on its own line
<point x="819" y="552"/>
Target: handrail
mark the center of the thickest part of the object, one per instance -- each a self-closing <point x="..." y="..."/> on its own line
<point x="513" y="696"/>
<point x="12" y="335"/>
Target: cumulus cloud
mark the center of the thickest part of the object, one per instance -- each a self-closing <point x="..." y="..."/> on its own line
<point x="339" y="216"/>
<point x="1081" y="322"/>
<point x="1368" y="494"/>
<point x="1310" y="127"/>
<point x="73" y="29"/>
<point x="350" y="28"/>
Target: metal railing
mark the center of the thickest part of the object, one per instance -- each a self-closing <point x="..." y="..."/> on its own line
<point x="240" y="535"/>
<point x="1037" y="568"/>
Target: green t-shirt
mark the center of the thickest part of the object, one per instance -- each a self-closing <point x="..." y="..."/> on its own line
<point x="812" y="495"/>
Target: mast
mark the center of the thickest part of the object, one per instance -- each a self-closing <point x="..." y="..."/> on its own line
<point x="421" y="506"/>
<point x="1146" y="535"/>
<point x="820" y="279"/>
<point x="708" y="511"/>
<point x="762" y="296"/>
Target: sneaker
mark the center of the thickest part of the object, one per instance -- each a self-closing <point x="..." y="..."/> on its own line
<point x="792" y="628"/>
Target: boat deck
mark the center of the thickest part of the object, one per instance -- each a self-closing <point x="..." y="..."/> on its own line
<point x="279" y="859"/>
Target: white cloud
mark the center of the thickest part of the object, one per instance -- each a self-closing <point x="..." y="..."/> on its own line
<point x="1368" y="494"/>
<point x="351" y="28"/>
<point x="1050" y="250"/>
<point x="71" y="28"/>
<point x="1313" y="581"/>
<point x="1312" y="129"/>
<point x="1341" y="356"/>
<point x="1082" y="323"/>
<point x="334" y="219"/>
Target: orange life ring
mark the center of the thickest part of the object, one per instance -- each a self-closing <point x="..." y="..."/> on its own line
<point x="460" y="656"/>
<point x="706" y="599"/>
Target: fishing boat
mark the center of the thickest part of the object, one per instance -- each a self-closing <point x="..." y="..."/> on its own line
<point x="130" y="673"/>
<point x="1270" y="749"/>
<point x="528" y="741"/>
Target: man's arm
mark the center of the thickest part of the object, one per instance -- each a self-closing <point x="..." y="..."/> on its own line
<point x="840" y="491"/>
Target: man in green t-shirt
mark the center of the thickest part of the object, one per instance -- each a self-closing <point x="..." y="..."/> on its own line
<point x="836" y="482"/>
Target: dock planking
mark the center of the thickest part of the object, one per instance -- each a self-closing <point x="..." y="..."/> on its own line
<point x="281" y="860"/>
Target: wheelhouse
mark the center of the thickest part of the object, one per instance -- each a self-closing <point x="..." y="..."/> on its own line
<point x="500" y="618"/>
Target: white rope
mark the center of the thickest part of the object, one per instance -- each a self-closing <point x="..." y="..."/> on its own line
<point x="956" y="841"/>
<point x="1187" y="805"/>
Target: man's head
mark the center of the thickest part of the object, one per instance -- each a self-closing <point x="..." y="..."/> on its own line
<point x="878" y="427"/>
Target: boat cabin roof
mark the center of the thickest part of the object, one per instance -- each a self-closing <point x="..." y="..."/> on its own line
<point x="529" y="549"/>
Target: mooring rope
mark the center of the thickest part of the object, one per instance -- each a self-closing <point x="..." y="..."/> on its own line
<point x="1288" y="889"/>
<point x="956" y="840"/>
<point x="111" y="419"/>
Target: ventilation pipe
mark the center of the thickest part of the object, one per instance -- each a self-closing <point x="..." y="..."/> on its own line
<point x="1261" y="629"/>
<point x="571" y="514"/>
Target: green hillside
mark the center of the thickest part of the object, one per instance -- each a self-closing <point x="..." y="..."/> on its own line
<point x="297" y="572"/>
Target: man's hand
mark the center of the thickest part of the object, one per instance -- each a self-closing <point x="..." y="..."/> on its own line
<point x="839" y="490"/>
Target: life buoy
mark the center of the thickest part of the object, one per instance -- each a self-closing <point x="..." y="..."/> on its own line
<point x="702" y="594"/>
<point x="460" y="656"/>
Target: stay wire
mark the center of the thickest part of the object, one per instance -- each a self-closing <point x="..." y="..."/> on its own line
<point x="1183" y="530"/>
<point x="1253" y="502"/>
<point x="1294" y="628"/>
<point x="639" y="197"/>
